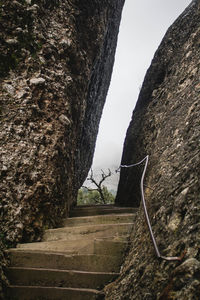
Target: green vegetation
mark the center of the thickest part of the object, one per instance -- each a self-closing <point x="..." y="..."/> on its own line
<point x="86" y="196"/>
<point x="99" y="194"/>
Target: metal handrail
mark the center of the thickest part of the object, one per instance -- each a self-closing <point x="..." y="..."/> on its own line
<point x="146" y="159"/>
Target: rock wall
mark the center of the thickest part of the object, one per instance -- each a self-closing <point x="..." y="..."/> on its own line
<point x="56" y="60"/>
<point x="165" y="124"/>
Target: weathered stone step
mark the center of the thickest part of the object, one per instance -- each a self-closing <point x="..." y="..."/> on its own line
<point x="92" y="210"/>
<point x="67" y="246"/>
<point x="90" y="262"/>
<point x="52" y="293"/>
<point x="101" y="219"/>
<point x="60" y="278"/>
<point x="74" y="261"/>
<point x="88" y="232"/>
<point x="109" y="247"/>
<point x="100" y="246"/>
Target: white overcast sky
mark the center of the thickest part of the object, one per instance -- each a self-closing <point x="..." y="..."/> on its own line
<point x="143" y="25"/>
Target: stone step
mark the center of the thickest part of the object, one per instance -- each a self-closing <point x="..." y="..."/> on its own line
<point x="74" y="261"/>
<point x="48" y="260"/>
<point x="92" y="210"/>
<point x="102" y="246"/>
<point x="109" y="247"/>
<point x="58" y="278"/>
<point x="52" y="293"/>
<point x="101" y="219"/>
<point x="87" y="232"/>
<point x="67" y="246"/>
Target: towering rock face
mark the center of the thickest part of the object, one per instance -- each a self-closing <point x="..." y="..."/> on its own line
<point x="165" y="125"/>
<point x="56" y="60"/>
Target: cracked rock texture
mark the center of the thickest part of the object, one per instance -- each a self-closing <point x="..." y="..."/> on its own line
<point x="56" y="60"/>
<point x="166" y="125"/>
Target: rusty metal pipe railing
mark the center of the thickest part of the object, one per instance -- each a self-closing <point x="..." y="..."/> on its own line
<point x="146" y="159"/>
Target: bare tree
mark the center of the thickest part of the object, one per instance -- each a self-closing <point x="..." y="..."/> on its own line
<point x="99" y="185"/>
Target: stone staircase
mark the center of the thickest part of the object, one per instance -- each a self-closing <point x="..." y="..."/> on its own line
<point x="73" y="262"/>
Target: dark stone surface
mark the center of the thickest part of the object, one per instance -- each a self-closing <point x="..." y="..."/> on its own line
<point x="100" y="76"/>
<point x="165" y="125"/>
<point x="56" y="60"/>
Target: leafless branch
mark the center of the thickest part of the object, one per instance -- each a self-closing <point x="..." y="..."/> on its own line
<point x="99" y="184"/>
<point x="89" y="189"/>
